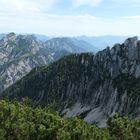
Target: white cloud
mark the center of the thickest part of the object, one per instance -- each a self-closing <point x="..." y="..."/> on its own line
<point x="78" y="3"/>
<point x="60" y="25"/>
<point x="11" y="6"/>
<point x="126" y="2"/>
<point x="27" y="16"/>
<point x="132" y="17"/>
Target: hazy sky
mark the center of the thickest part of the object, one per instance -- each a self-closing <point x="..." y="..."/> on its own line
<point x="71" y="17"/>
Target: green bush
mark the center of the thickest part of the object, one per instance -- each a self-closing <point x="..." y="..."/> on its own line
<point x="20" y="121"/>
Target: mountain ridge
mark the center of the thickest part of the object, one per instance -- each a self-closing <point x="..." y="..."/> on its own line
<point x="93" y="86"/>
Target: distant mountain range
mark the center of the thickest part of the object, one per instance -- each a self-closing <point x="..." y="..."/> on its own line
<point x="97" y="43"/>
<point x="91" y="86"/>
<point x="19" y="54"/>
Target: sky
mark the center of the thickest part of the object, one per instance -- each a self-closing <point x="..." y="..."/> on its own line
<point x="70" y="17"/>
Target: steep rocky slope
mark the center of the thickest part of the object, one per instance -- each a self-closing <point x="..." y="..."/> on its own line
<point x="19" y="54"/>
<point x="92" y="86"/>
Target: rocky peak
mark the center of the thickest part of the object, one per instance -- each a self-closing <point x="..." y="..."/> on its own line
<point x="131" y="42"/>
<point x="122" y="58"/>
<point x="11" y="36"/>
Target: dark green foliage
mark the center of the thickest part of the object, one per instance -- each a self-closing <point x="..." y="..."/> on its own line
<point x="20" y="121"/>
<point x="55" y="80"/>
<point x="123" y="128"/>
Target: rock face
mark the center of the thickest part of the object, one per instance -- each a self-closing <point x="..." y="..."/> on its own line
<point x="92" y="86"/>
<point x="19" y="54"/>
